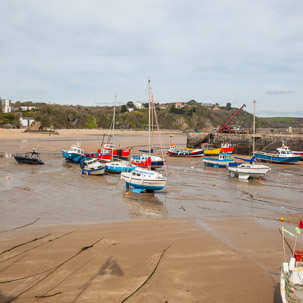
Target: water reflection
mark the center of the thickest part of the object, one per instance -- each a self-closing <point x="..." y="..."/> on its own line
<point x="145" y="205"/>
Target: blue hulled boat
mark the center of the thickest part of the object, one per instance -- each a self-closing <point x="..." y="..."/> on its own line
<point x="277" y="157"/>
<point x="74" y="154"/>
<point x="222" y="161"/>
<point x="119" y="166"/>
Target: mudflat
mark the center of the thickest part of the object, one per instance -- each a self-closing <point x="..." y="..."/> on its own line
<point x="206" y="237"/>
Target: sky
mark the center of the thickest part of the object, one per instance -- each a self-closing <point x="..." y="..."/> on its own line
<point x="213" y="51"/>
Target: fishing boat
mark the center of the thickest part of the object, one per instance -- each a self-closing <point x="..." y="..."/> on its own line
<point x="119" y="166"/>
<point x="156" y="162"/>
<point x="247" y="169"/>
<point x="227" y="148"/>
<point x="108" y="152"/>
<point x="92" y="167"/>
<point x="174" y="152"/>
<point x="222" y="161"/>
<point x="282" y="156"/>
<point x="74" y="154"/>
<point x="144" y="179"/>
<point x="30" y="157"/>
<point x="286" y="148"/>
<point x="209" y="150"/>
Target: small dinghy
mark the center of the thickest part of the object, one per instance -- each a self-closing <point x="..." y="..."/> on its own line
<point x="92" y="167"/>
<point x="31" y="157"/>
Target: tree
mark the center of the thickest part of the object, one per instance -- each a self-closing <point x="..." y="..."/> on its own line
<point x="228" y="106"/>
<point x="130" y="104"/>
<point x="123" y="109"/>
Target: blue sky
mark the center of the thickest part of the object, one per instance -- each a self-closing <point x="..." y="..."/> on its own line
<point x="219" y="51"/>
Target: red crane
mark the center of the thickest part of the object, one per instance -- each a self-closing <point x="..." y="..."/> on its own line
<point x="226" y="128"/>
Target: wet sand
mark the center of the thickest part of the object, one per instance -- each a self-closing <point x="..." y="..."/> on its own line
<point x="219" y="235"/>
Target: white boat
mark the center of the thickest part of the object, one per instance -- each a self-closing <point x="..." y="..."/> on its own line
<point x="119" y="166"/>
<point x="143" y="179"/>
<point x="247" y="169"/>
<point x="92" y="167"/>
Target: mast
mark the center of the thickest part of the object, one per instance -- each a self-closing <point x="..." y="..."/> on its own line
<point x="254" y="127"/>
<point x="149" y="112"/>
<point x="114" y="117"/>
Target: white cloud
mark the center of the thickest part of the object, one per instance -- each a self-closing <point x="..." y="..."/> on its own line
<point x="72" y="51"/>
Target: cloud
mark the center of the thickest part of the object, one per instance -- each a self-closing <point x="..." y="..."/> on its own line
<point x="86" y="52"/>
<point x="278" y="92"/>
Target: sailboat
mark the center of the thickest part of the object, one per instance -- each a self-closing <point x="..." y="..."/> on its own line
<point x="117" y="166"/>
<point x="108" y="152"/>
<point x="142" y="161"/>
<point x="144" y="178"/>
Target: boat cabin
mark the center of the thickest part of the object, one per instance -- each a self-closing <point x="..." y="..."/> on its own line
<point x="75" y="149"/>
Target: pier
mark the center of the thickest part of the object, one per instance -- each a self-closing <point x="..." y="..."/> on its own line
<point x="265" y="140"/>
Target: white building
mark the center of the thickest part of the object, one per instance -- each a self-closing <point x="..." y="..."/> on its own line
<point x="6" y="105"/>
<point x="139" y="105"/>
<point x="26" y="121"/>
<point x="26" y="108"/>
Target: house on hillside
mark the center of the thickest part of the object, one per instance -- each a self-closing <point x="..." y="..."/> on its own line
<point x="179" y="105"/>
<point x="216" y="107"/>
<point x="139" y="105"/>
<point x="26" y="121"/>
<point x="27" y="108"/>
<point x="163" y="106"/>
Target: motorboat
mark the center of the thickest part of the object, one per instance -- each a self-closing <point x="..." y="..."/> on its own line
<point x="30" y="157"/>
<point x="92" y="167"/>
<point x="119" y="166"/>
<point x="227" y="148"/>
<point x="74" y="154"/>
<point x="222" y="161"/>
<point x="247" y="169"/>
<point x="156" y="162"/>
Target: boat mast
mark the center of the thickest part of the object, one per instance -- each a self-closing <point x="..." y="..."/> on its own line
<point x="149" y="117"/>
<point x="254" y="127"/>
<point x="113" y="141"/>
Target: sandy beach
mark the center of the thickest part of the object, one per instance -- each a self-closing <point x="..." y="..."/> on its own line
<point x="206" y="237"/>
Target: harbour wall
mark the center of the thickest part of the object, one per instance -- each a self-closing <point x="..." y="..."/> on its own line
<point x="244" y="142"/>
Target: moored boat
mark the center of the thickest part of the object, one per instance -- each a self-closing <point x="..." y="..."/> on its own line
<point x="119" y="166"/>
<point x="173" y="152"/>
<point x="227" y="148"/>
<point x="222" y="161"/>
<point x="247" y="169"/>
<point x="143" y="179"/>
<point x="284" y="147"/>
<point x="30" y="157"/>
<point x="74" y="154"/>
<point x="92" y="167"/>
<point x="142" y="161"/>
<point x="277" y="157"/>
<point x="209" y="150"/>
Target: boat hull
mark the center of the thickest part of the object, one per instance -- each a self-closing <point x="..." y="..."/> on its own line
<point x="99" y="171"/>
<point x="216" y="163"/>
<point x="212" y="152"/>
<point x="72" y="156"/>
<point x="256" y="171"/>
<point x="227" y="150"/>
<point x="147" y="184"/>
<point x="26" y="160"/>
<point x="274" y="158"/>
<point x="118" y="169"/>
<point x="186" y="153"/>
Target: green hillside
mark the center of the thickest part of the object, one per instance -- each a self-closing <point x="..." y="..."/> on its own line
<point x="192" y="116"/>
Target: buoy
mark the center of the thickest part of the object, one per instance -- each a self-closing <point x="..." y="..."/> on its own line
<point x="260" y="179"/>
<point x="214" y="185"/>
<point x="282" y="219"/>
<point x="7" y="178"/>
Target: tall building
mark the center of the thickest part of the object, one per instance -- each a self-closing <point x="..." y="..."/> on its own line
<point x="6" y="105"/>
